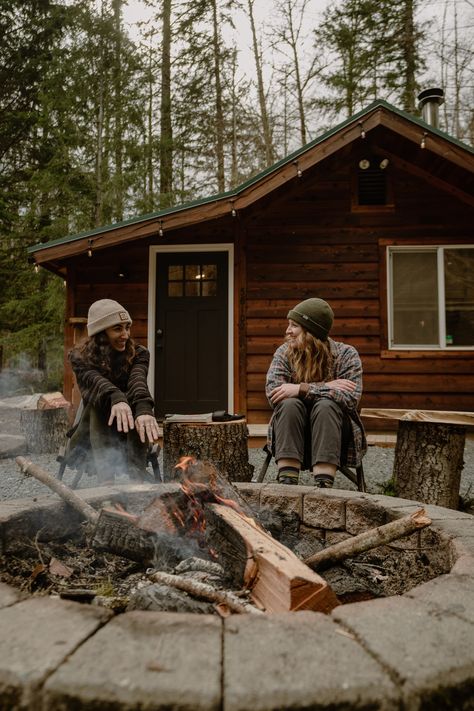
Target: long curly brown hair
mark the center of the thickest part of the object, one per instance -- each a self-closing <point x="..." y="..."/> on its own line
<point x="97" y="352"/>
<point x="310" y="358"/>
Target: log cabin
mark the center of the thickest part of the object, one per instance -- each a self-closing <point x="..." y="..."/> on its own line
<point x="375" y="216"/>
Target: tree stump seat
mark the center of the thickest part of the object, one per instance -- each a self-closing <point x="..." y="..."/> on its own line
<point x="225" y="444"/>
<point x="428" y="453"/>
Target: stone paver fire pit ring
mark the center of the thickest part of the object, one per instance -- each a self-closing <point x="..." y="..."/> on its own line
<point x="410" y="651"/>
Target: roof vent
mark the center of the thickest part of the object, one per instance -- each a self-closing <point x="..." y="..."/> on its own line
<point x="429" y="102"/>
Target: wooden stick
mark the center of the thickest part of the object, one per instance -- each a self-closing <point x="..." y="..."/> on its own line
<point x="67" y="494"/>
<point x="200" y="589"/>
<point x="368" y="540"/>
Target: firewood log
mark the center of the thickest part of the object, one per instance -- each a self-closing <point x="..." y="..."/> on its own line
<point x="368" y="539"/>
<point x="277" y="579"/>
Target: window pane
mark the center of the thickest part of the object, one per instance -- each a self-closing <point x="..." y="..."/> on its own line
<point x="193" y="271"/>
<point x="209" y="271"/>
<point x="191" y="288"/>
<point x="175" y="288"/>
<point x="459" y="295"/>
<point x="175" y="272"/>
<point x="415" y="298"/>
<point x="209" y="288"/>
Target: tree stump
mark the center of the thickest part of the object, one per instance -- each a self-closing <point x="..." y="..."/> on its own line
<point x="428" y="462"/>
<point x="222" y="443"/>
<point x="44" y="430"/>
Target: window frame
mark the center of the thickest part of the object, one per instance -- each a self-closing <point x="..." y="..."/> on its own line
<point x="439" y="249"/>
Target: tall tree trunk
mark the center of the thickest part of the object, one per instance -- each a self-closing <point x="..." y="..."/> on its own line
<point x="234" y="169"/>
<point x="219" y="109"/>
<point x="409" y="58"/>
<point x="267" y="135"/>
<point x="99" y="192"/>
<point x="118" y="123"/>
<point x="149" y="183"/>
<point x="166" y="129"/>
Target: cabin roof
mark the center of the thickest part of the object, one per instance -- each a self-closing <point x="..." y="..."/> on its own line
<point x="213" y="206"/>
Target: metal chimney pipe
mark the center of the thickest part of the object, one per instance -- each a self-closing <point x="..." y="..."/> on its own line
<point x="429" y="102"/>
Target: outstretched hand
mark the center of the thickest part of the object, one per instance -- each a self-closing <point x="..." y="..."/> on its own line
<point x="147" y="427"/>
<point x="122" y="413"/>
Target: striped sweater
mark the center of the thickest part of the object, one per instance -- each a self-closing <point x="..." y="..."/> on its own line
<point x="104" y="392"/>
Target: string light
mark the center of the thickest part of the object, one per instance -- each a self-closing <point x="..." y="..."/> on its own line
<point x="423" y="140"/>
<point x="233" y="211"/>
<point x="299" y="172"/>
<point x="37" y="268"/>
<point x="362" y="132"/>
<point x="89" y="250"/>
<point x="160" y="231"/>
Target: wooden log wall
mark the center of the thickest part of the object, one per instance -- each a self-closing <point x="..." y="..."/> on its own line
<point x="308" y="243"/>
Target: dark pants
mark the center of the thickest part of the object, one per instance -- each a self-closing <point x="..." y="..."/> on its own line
<point x="105" y="451"/>
<point x="310" y="433"/>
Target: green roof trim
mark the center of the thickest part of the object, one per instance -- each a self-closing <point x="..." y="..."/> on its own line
<point x="378" y="103"/>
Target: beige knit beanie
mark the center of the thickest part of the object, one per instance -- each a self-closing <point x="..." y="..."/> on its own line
<point x="315" y="315"/>
<point x="104" y="314"/>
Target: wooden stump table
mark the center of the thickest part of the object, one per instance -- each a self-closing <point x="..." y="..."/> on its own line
<point x="225" y="444"/>
<point x="428" y="453"/>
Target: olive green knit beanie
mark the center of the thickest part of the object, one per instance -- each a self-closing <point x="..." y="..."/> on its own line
<point x="104" y="314"/>
<point x="315" y="315"/>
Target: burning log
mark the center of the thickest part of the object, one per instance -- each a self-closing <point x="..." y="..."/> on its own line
<point x="277" y="579"/>
<point x="67" y="494"/>
<point x="368" y="539"/>
<point x="202" y="590"/>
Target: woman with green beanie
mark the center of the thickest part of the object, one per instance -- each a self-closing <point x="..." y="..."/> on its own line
<point x="314" y="385"/>
<point x="117" y="422"/>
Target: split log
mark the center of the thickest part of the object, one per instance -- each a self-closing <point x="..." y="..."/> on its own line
<point x="225" y="444"/>
<point x="45" y="429"/>
<point x="277" y="579"/>
<point x="429" y="461"/>
<point x="118" y="533"/>
<point x="368" y="539"/>
<point x="207" y="592"/>
<point x="59" y="488"/>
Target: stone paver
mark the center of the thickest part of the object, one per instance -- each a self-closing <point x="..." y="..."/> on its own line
<point x="429" y="650"/>
<point x="363" y="513"/>
<point x="325" y="509"/>
<point x="299" y="661"/>
<point x="453" y="594"/>
<point x="282" y="498"/>
<point x="143" y="660"/>
<point x="36" y="636"/>
<point x="9" y="595"/>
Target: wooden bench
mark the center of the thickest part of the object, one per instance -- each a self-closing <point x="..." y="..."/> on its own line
<point x="428" y="452"/>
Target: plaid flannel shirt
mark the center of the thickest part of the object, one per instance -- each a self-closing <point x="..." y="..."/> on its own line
<point x="346" y="364"/>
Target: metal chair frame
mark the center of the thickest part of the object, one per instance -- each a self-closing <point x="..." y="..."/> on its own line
<point x="357" y="477"/>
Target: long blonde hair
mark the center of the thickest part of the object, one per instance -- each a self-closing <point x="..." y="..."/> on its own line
<point x="310" y="358"/>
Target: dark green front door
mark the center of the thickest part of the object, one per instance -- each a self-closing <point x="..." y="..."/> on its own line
<point x="191" y="348"/>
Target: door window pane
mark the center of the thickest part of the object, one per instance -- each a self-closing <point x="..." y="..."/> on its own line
<point x="175" y="288"/>
<point x="175" y="271"/>
<point x="459" y="296"/>
<point x="191" y="288"/>
<point x="192" y="280"/>
<point x="415" y="298"/>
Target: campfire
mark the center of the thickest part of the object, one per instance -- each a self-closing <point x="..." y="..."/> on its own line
<point x="200" y="547"/>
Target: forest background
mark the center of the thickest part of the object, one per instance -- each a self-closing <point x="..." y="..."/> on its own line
<point x="110" y="109"/>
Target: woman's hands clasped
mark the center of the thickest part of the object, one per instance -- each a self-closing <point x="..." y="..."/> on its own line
<point x="146" y="425"/>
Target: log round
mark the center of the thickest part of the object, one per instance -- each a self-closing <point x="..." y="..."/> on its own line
<point x="44" y="430"/>
<point x="223" y="443"/>
<point x="429" y="461"/>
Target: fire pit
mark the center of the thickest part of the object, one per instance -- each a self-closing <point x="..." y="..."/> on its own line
<point x="413" y="649"/>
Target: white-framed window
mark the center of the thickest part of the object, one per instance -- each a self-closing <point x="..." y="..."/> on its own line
<point x="431" y="297"/>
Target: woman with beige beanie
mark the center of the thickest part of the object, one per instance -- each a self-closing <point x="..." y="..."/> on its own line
<point x="314" y="385"/>
<point x="117" y="422"/>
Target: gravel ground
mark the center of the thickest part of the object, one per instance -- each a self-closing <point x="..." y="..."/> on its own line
<point x="378" y="465"/>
